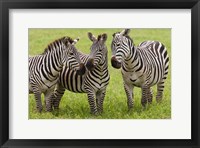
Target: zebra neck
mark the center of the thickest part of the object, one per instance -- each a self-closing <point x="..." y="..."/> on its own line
<point x="104" y="65"/>
<point x="53" y="63"/>
<point x="131" y="62"/>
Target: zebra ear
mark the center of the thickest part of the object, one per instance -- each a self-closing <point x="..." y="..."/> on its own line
<point x="67" y="40"/>
<point x="91" y="37"/>
<point x="75" y="41"/>
<point x="67" y="44"/>
<point x="104" y="37"/>
<point x="125" y="32"/>
<point x="99" y="37"/>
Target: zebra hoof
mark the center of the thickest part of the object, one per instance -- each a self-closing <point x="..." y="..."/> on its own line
<point x="94" y="113"/>
<point x="130" y="108"/>
<point x="100" y="112"/>
<point x="39" y="110"/>
<point x="144" y="103"/>
<point x="56" y="108"/>
<point x="149" y="101"/>
<point x="49" y="110"/>
<point x="158" y="100"/>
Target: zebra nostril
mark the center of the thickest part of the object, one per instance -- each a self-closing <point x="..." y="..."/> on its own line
<point x="81" y="70"/>
<point x="115" y="63"/>
<point x="90" y="64"/>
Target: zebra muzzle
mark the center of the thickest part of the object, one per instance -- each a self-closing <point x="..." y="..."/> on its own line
<point x="81" y="70"/>
<point x="115" y="63"/>
<point x="90" y="64"/>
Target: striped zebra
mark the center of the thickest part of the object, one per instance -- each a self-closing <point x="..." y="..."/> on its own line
<point x="143" y="66"/>
<point x="44" y="69"/>
<point x="93" y="82"/>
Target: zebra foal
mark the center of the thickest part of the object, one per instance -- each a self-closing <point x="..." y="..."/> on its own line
<point x="143" y="66"/>
<point x="44" y="69"/>
<point x="93" y="82"/>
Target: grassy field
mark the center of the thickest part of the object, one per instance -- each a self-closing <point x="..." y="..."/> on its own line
<point x="75" y="105"/>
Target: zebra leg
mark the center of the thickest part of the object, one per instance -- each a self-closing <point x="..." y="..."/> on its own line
<point x="58" y="93"/>
<point x="129" y="94"/>
<point x="100" y="95"/>
<point x="160" y="88"/>
<point x="144" y="99"/>
<point x="37" y="95"/>
<point x="92" y="102"/>
<point x="48" y="99"/>
<point x="150" y="95"/>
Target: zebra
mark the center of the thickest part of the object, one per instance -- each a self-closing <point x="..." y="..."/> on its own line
<point x="93" y="82"/>
<point x="44" y="69"/>
<point x="143" y="66"/>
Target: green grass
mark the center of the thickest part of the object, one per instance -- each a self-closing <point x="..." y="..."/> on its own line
<point x="75" y="105"/>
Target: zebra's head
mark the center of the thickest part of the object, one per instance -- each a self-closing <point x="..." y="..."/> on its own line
<point x="71" y="56"/>
<point x="98" y="51"/>
<point x="120" y="46"/>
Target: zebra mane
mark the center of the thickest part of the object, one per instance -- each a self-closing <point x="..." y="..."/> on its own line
<point x="99" y="37"/>
<point x="128" y="37"/>
<point x="115" y="33"/>
<point x="50" y="46"/>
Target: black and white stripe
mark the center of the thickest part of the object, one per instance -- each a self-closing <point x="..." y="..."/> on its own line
<point x="143" y="66"/>
<point x="93" y="82"/>
<point x="44" y="69"/>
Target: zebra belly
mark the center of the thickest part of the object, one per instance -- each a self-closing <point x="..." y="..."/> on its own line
<point x="136" y="79"/>
<point x="30" y="89"/>
<point x="139" y="79"/>
<point x="44" y="86"/>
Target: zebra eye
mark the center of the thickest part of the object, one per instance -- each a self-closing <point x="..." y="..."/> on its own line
<point x="118" y="44"/>
<point x="70" y="53"/>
